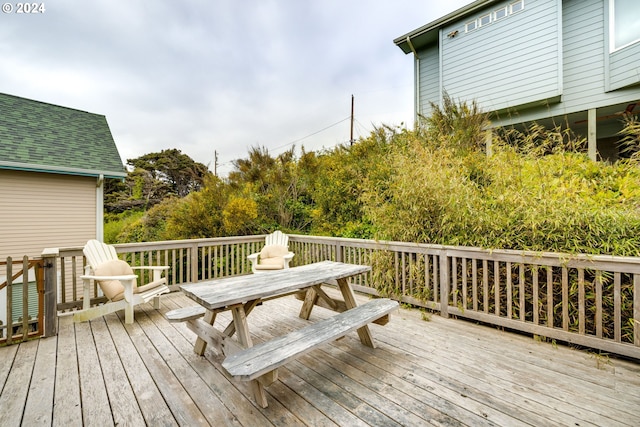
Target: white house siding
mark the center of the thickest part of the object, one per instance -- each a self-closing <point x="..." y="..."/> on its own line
<point x="429" y="79"/>
<point x="510" y="62"/>
<point x="40" y="210"/>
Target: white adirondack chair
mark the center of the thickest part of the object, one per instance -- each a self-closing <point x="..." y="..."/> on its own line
<point x="118" y="283"/>
<point x="275" y="254"/>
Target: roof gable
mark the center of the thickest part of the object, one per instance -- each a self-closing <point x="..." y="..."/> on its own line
<point x="44" y="137"/>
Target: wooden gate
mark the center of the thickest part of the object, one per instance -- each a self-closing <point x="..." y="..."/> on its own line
<point x="21" y="300"/>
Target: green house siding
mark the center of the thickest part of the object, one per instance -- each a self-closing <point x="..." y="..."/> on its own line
<point x="17" y="301"/>
<point x="42" y="137"/>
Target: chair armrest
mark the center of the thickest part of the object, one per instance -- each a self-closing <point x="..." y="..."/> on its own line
<point x="157" y="270"/>
<point x="126" y="280"/>
<point x="287" y="259"/>
<point x="151" y="267"/>
<point x="253" y="259"/>
<point x="125" y="277"/>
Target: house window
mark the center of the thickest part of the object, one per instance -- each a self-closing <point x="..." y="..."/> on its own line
<point x="470" y="26"/>
<point x="516" y="6"/>
<point x="485" y="20"/>
<point x="500" y="13"/>
<point x="503" y="12"/>
<point x="624" y="23"/>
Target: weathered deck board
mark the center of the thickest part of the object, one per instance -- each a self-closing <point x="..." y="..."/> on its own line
<point x="558" y="382"/>
<point x="96" y="410"/>
<point x="40" y="400"/>
<point x="121" y="396"/>
<point x="209" y="369"/>
<point x="438" y="372"/>
<point x="152" y="406"/>
<point x="67" y="405"/>
<point x="16" y="386"/>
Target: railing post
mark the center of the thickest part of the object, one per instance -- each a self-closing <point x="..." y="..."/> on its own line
<point x="194" y="262"/>
<point x="339" y="251"/>
<point x="50" y="261"/>
<point x="445" y="283"/>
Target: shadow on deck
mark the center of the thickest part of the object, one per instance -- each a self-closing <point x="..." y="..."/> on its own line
<point x="441" y="372"/>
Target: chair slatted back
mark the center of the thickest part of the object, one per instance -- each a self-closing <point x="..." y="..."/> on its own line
<point x="97" y="253"/>
<point x="277" y="238"/>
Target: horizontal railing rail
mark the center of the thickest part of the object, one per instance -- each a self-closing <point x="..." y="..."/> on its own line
<point x="592" y="301"/>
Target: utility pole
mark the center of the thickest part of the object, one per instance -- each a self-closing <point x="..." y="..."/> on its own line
<point x="215" y="162"/>
<point x="351" y="139"/>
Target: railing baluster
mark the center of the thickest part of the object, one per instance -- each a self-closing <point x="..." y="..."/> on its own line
<point x="565" y="298"/>
<point x="509" y="292"/>
<point x="581" y="302"/>
<point x="536" y="296"/>
<point x="522" y="284"/>
<point x="598" y="319"/>
<point x="464" y="284"/>
<point x="617" y="308"/>
<point x="496" y="287"/>
<point x="636" y="310"/>
<point x="485" y="286"/>
<point x="550" y="307"/>
<point x="474" y="283"/>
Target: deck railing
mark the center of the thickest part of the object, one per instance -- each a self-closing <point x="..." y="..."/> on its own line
<point x="592" y="301"/>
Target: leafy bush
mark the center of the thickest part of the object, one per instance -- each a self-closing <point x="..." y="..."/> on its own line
<point x="115" y="223"/>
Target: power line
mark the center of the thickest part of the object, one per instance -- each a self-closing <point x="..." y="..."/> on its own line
<point x="230" y="163"/>
<point x="312" y="134"/>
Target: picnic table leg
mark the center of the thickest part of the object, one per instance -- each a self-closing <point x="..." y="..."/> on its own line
<point x="316" y="296"/>
<point x="248" y="308"/>
<point x="350" y="301"/>
<point x="201" y="345"/>
<point x="242" y="329"/>
<point x="310" y="298"/>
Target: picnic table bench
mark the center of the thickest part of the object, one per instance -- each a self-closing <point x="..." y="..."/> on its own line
<point x="241" y="294"/>
<point x="267" y="356"/>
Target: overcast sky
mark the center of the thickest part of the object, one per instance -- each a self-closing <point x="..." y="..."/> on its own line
<point x="219" y="75"/>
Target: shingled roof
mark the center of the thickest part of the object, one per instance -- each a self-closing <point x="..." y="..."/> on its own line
<point x="41" y="137"/>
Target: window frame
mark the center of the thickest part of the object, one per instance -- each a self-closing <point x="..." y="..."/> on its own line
<point x="612" y="30"/>
<point x="518" y="2"/>
<point x="487" y="16"/>
<point x="473" y="23"/>
<point x="504" y="9"/>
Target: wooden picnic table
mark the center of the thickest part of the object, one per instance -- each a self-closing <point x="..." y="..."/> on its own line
<point x="241" y="294"/>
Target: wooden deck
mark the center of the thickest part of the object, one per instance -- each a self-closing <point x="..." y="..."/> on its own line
<point x="440" y="372"/>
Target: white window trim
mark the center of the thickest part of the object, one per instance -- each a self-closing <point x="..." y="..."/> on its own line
<point x="511" y="12"/>
<point x="488" y="15"/>
<point x="612" y="30"/>
<point x="474" y="23"/>
<point x="495" y="13"/>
